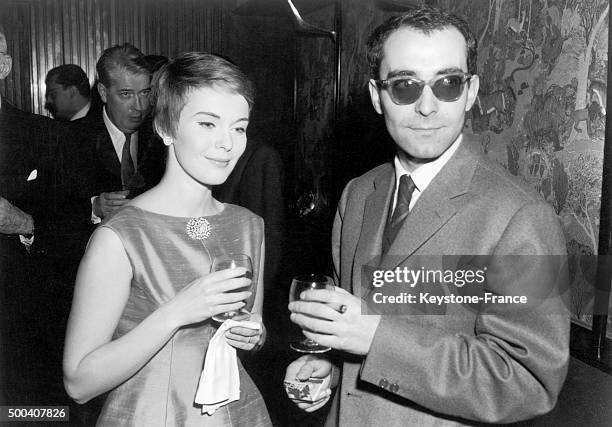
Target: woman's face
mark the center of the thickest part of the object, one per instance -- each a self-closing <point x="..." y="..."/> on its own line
<point x="211" y="134"/>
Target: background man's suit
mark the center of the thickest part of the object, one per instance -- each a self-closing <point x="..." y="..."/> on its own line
<point x="494" y="364"/>
<point x="45" y="173"/>
<point x="150" y="158"/>
<point x="256" y="183"/>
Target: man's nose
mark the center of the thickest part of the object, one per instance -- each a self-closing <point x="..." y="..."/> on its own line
<point x="427" y="103"/>
<point x="138" y="104"/>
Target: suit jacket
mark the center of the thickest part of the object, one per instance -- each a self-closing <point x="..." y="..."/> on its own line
<point x="56" y="194"/>
<point x="256" y="183"/>
<point x="45" y="172"/>
<point x="150" y="158"/>
<point x="464" y="364"/>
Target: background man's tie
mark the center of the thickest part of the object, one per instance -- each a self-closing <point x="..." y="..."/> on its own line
<point x="127" y="164"/>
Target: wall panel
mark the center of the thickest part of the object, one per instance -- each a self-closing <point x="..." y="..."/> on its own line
<point x="77" y="31"/>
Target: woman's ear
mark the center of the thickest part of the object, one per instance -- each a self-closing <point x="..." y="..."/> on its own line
<point x="167" y="139"/>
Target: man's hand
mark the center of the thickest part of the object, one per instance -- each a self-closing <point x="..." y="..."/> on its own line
<point x="106" y="203"/>
<point x="310" y="366"/>
<point x="13" y="220"/>
<point x="319" y="314"/>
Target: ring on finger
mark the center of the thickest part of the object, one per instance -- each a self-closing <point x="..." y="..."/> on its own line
<point x="343" y="309"/>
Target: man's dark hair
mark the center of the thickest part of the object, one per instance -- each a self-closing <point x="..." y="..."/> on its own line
<point x="124" y="57"/>
<point x="70" y="75"/>
<point x="426" y="20"/>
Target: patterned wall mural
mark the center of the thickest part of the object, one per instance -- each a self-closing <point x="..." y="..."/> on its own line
<point x="541" y="111"/>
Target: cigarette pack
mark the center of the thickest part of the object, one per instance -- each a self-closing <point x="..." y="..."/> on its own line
<point x="307" y="391"/>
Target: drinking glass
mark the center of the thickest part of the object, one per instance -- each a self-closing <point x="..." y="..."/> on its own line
<point x="300" y="284"/>
<point x="226" y="261"/>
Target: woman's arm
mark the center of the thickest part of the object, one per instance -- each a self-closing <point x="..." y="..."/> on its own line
<point x="93" y="362"/>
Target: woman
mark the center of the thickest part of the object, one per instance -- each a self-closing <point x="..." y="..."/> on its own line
<point x="141" y="316"/>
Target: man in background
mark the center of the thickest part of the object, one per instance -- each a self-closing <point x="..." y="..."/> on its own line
<point x="68" y="94"/>
<point x="130" y="158"/>
<point x="44" y="226"/>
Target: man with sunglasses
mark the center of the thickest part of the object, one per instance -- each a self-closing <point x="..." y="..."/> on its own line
<point x="425" y="357"/>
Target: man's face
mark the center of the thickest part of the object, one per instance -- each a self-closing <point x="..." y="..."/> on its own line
<point x="425" y="129"/>
<point x="59" y="100"/>
<point x="127" y="99"/>
<point x="6" y="62"/>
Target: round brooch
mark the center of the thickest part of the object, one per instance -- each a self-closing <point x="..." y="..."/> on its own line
<point x="198" y="228"/>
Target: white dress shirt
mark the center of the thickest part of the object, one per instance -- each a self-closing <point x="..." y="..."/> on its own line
<point x="81" y="113"/>
<point x="118" y="139"/>
<point x="424" y="174"/>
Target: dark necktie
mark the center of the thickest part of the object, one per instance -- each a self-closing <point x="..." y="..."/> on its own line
<point x="394" y="223"/>
<point x="127" y="165"/>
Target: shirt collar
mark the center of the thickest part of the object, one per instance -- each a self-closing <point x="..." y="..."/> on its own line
<point x="425" y="173"/>
<point x="82" y="112"/>
<point x="116" y="135"/>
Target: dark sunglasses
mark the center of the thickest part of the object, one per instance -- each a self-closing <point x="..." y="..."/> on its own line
<point x="407" y="90"/>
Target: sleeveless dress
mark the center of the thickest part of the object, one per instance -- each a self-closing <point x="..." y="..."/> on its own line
<point x="164" y="258"/>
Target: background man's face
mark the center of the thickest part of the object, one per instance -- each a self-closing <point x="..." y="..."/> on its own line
<point x="6" y="61"/>
<point x="127" y="99"/>
<point x="59" y="100"/>
<point x="424" y="130"/>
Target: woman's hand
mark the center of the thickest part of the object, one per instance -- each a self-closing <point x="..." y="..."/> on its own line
<point x="245" y="338"/>
<point x="207" y="296"/>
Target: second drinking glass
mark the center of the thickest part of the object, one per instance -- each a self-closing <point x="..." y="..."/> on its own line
<point x="300" y="284"/>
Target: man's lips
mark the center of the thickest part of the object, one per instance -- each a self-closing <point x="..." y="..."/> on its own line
<point x="425" y="128"/>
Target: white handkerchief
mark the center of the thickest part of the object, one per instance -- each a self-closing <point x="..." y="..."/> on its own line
<point x="33" y="175"/>
<point x="219" y="382"/>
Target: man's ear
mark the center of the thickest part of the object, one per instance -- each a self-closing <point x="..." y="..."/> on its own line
<point x="102" y="92"/>
<point x="375" y="96"/>
<point x="474" y="85"/>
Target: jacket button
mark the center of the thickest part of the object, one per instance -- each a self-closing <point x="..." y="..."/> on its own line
<point x="393" y="388"/>
<point x="383" y="383"/>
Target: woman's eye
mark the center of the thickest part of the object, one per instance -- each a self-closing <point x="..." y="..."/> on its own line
<point x="240" y="130"/>
<point x="207" y="125"/>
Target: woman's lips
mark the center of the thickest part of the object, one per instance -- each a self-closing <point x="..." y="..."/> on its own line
<point x="219" y="162"/>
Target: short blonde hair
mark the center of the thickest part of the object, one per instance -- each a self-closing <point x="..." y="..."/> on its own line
<point x="173" y="82"/>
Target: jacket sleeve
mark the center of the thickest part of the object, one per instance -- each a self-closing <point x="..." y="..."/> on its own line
<point x="514" y="363"/>
<point x="337" y="235"/>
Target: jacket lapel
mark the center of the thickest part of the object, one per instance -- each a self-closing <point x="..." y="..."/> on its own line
<point x="369" y="246"/>
<point x="107" y="154"/>
<point x="444" y="196"/>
